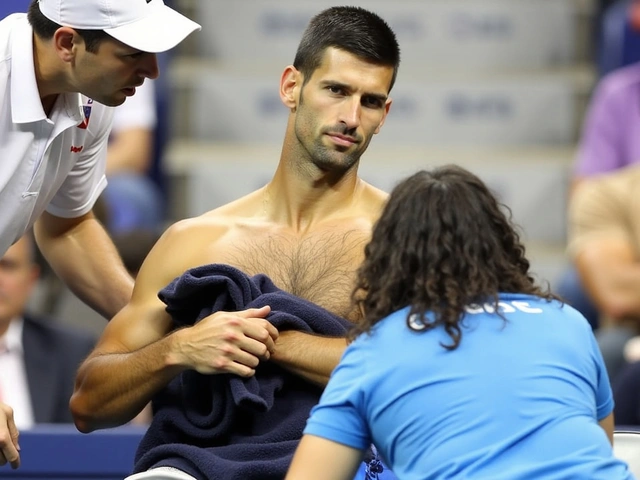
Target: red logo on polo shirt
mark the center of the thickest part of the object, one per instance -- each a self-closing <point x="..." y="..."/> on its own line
<point x="86" y="109"/>
<point x="76" y="149"/>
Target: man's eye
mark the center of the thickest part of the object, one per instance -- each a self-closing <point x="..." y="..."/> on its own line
<point x="335" y="89"/>
<point x="372" y="102"/>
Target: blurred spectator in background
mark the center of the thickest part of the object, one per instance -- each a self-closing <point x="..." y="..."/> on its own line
<point x="38" y="359"/>
<point x="132" y="199"/>
<point x="610" y="140"/>
<point x="604" y="243"/>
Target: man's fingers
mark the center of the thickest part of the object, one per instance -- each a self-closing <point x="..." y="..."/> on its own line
<point x="257" y="347"/>
<point x="262" y="332"/>
<point x="255" y="312"/>
<point x="239" y="363"/>
<point x="8" y="438"/>
<point x="14" y="458"/>
<point x="273" y="331"/>
<point x="247" y="359"/>
<point x="13" y="432"/>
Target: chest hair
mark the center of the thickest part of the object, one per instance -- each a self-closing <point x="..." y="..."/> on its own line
<point x="320" y="268"/>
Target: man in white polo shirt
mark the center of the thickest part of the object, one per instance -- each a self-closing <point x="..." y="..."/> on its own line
<point x="60" y="65"/>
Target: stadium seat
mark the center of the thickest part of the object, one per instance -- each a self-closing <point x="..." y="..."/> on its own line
<point x="626" y="446"/>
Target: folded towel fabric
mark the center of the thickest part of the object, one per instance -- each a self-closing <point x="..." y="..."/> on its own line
<point x="225" y="426"/>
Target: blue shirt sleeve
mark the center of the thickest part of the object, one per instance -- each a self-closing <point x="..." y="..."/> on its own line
<point x="340" y="415"/>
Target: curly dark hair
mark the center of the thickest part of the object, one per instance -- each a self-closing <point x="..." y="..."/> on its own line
<point x="442" y="243"/>
<point x="353" y="29"/>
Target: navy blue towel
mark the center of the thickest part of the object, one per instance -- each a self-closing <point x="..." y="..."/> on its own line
<point x="225" y="426"/>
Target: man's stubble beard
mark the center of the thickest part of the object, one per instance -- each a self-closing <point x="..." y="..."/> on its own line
<point x="321" y="156"/>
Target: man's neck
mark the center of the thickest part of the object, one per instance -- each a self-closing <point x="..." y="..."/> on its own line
<point x="47" y="78"/>
<point x="302" y="200"/>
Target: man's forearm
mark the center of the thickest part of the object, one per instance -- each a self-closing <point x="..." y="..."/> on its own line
<point x="84" y="257"/>
<point x="312" y="357"/>
<point x="111" y="389"/>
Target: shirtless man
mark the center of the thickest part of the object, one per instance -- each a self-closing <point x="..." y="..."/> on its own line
<point x="305" y="229"/>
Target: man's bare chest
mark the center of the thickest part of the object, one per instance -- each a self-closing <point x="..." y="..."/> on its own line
<point x="319" y="267"/>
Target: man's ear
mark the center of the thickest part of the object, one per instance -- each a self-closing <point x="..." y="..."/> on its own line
<point x="387" y="106"/>
<point x="290" y="85"/>
<point x="65" y="41"/>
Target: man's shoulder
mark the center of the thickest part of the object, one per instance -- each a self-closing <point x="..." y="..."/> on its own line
<point x="376" y="195"/>
<point x="189" y="239"/>
<point x="210" y="222"/>
<point x="221" y="218"/>
<point x="372" y="201"/>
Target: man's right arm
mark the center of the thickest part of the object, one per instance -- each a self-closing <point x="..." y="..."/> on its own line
<point x="120" y="377"/>
<point x="138" y="353"/>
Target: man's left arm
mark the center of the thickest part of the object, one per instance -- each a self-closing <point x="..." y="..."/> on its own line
<point x="81" y="253"/>
<point x="312" y="357"/>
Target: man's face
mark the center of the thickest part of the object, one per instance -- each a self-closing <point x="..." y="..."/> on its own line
<point x="111" y="74"/>
<point x="340" y="108"/>
<point x="18" y="275"/>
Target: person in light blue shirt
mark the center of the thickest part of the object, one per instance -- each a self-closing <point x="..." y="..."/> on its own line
<point x="462" y="368"/>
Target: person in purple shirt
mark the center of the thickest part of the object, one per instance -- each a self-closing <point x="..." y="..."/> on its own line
<point x="610" y="137"/>
<point x="610" y="141"/>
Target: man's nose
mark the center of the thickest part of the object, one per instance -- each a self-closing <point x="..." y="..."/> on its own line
<point x="350" y="112"/>
<point x="150" y="67"/>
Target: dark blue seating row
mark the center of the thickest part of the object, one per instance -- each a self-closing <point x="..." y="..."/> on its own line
<point x="60" y="452"/>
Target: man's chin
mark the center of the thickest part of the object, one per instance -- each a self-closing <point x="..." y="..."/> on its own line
<point x="336" y="165"/>
<point x="112" y="100"/>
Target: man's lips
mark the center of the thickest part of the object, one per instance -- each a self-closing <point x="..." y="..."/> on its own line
<point x="132" y="89"/>
<point x="342" y="139"/>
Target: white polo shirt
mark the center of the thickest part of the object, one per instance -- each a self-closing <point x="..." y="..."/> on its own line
<point x="55" y="164"/>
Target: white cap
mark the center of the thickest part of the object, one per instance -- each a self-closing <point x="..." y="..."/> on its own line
<point x="146" y="25"/>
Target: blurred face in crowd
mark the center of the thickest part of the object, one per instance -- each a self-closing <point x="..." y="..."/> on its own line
<point x="18" y="276"/>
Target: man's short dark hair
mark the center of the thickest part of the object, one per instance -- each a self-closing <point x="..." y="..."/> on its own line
<point x="352" y="29"/>
<point x="45" y="28"/>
